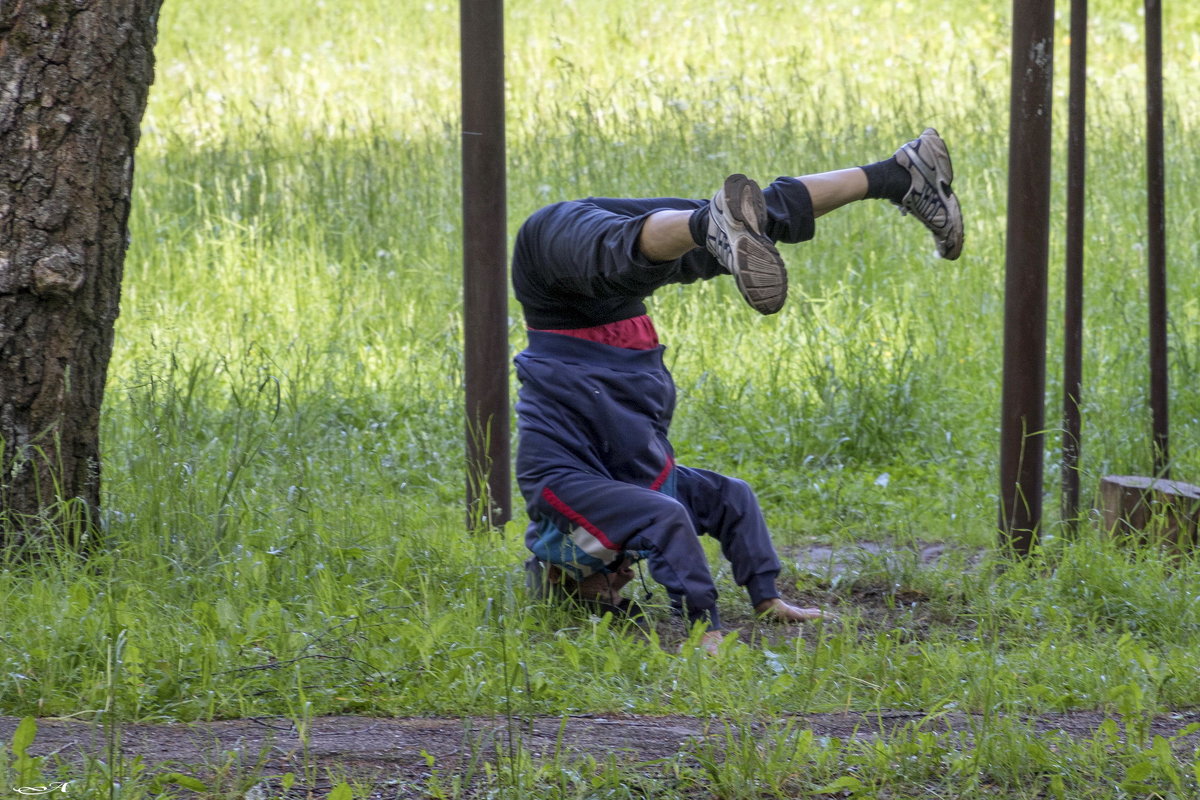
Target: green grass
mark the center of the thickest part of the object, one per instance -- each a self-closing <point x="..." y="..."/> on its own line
<point x="283" y="428"/>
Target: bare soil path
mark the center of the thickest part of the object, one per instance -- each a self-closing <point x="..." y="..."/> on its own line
<point x="394" y="755"/>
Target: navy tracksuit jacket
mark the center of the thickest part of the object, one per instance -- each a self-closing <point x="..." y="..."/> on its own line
<point x="594" y="462"/>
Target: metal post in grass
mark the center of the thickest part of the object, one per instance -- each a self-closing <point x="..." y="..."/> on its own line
<point x="1156" y="233"/>
<point x="1026" y="255"/>
<point x="1073" y="286"/>
<point x="485" y="255"/>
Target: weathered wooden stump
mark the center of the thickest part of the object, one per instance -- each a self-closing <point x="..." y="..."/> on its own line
<point x="1151" y="509"/>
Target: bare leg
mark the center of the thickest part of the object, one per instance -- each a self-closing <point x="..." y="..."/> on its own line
<point x="665" y="235"/>
<point x="832" y="190"/>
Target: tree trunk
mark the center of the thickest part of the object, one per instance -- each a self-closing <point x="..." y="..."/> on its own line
<point x="1151" y="510"/>
<point x="74" y="76"/>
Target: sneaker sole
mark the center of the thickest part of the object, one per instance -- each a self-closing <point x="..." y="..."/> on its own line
<point x="943" y="168"/>
<point x="943" y="171"/>
<point x="757" y="266"/>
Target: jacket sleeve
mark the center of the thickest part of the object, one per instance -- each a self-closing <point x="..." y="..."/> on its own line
<point x="677" y="561"/>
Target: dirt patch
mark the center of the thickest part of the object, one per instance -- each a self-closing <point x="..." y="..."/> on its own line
<point x="878" y="557"/>
<point x="395" y="755"/>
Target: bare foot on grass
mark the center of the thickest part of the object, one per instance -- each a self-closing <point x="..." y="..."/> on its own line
<point x="779" y="610"/>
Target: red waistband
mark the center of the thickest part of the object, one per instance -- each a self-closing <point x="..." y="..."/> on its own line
<point x="635" y="333"/>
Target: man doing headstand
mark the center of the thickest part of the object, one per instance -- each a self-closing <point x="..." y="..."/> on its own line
<point x="594" y="461"/>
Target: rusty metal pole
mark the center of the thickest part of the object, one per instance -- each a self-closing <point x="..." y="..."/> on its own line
<point x="1027" y="245"/>
<point x="1156" y="233"/>
<point x="485" y="259"/>
<point x="1073" y="289"/>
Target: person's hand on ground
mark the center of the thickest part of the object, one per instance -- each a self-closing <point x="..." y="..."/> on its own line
<point x="711" y="641"/>
<point x="779" y="610"/>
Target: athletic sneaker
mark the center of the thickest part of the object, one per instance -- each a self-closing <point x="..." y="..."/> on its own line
<point x="930" y="198"/>
<point x="736" y="220"/>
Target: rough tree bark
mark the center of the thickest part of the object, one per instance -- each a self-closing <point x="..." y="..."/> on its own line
<point x="74" y="77"/>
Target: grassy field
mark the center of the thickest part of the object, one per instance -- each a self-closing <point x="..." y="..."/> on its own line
<point x="283" y="429"/>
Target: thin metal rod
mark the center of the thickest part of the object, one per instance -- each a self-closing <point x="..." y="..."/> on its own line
<point x="1156" y="231"/>
<point x="1073" y="289"/>
<point x="1026" y="257"/>
<point x="485" y="259"/>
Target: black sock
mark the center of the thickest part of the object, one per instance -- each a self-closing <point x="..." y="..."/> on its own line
<point x="887" y="180"/>
<point x="698" y="226"/>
